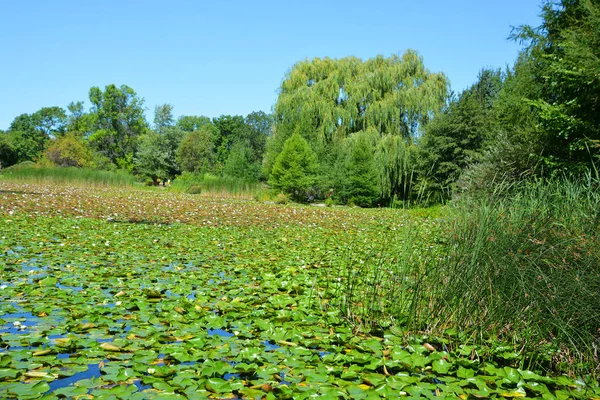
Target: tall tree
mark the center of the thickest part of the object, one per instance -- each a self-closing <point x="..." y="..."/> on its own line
<point x="230" y="129"/>
<point x="361" y="185"/>
<point x="153" y="158"/>
<point x="260" y="125"/>
<point x="565" y="51"/>
<point x="8" y="155"/>
<point x="120" y="122"/>
<point x="196" y="152"/>
<point x="163" y="117"/>
<point x="240" y="162"/>
<point x="69" y="150"/>
<point x="191" y="123"/>
<point x="27" y="139"/>
<point x="51" y="121"/>
<point x="458" y="137"/>
<point x="80" y="122"/>
<point x="327" y="100"/>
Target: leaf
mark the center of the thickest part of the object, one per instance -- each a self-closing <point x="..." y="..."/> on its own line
<point x="48" y="281"/>
<point x="519" y="392"/>
<point x="441" y="366"/>
<point x="465" y="373"/>
<point x="110" y="347"/>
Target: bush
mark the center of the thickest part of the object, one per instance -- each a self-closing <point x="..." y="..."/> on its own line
<point x="282" y="198"/>
<point x="195" y="189"/>
<point x="329" y="202"/>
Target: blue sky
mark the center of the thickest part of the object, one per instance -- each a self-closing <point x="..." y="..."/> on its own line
<point x="229" y="57"/>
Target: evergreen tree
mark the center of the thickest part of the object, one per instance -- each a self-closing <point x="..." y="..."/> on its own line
<point x="361" y="185"/>
<point x="294" y="171"/>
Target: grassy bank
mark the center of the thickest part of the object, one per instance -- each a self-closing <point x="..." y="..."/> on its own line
<point x="518" y="269"/>
<point x="69" y="175"/>
<point x="215" y="186"/>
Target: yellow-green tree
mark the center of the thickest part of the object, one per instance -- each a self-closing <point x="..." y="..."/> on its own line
<point x="327" y="100"/>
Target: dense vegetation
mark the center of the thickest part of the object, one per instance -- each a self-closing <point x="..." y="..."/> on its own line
<point x="492" y="295"/>
<point x="124" y="292"/>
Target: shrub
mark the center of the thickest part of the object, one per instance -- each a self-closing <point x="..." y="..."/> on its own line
<point x="195" y="189"/>
<point x="282" y="198"/>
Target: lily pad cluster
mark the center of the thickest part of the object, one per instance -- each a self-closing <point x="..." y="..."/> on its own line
<point x="94" y="307"/>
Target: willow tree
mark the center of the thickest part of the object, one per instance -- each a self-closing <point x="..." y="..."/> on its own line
<point x="327" y="100"/>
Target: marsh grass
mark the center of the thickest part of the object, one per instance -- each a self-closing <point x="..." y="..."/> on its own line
<point x="71" y="175"/>
<point x="214" y="186"/>
<point x="525" y="268"/>
<point x="519" y="267"/>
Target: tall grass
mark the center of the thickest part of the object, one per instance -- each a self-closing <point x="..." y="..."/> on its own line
<point x="213" y="186"/>
<point x="521" y="266"/>
<point x="525" y="268"/>
<point x="56" y="175"/>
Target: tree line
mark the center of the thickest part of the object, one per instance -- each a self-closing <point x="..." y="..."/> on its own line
<point x="365" y="132"/>
<point x="114" y="134"/>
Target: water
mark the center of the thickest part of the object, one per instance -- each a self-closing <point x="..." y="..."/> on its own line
<point x="220" y="332"/>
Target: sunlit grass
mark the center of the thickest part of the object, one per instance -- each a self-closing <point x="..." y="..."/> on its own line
<point x="520" y="267"/>
<point x="68" y="175"/>
<point x="220" y="187"/>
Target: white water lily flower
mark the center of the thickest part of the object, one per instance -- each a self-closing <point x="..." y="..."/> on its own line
<point x="16" y="323"/>
<point x="2" y="287"/>
<point x="118" y="303"/>
<point x="151" y="371"/>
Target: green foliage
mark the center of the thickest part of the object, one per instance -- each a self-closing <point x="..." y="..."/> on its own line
<point x="32" y="173"/>
<point x="8" y="154"/>
<point x="120" y="122"/>
<point x="326" y="101"/>
<point x="79" y="122"/>
<point x="394" y="95"/>
<point x="27" y="137"/>
<point x="458" y="137"/>
<point x="163" y="117"/>
<point x="395" y="166"/>
<point x="229" y="130"/>
<point x="282" y="198"/>
<point x="51" y="121"/>
<point x="211" y="185"/>
<point x="152" y="160"/>
<point x="194" y="190"/>
<point x="516" y="261"/>
<point x="259" y="129"/>
<point x="69" y="151"/>
<point x="361" y="183"/>
<point x="196" y="151"/>
<point x="565" y="52"/>
<point x="239" y="163"/>
<point x="295" y="168"/>
<point x="191" y="123"/>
